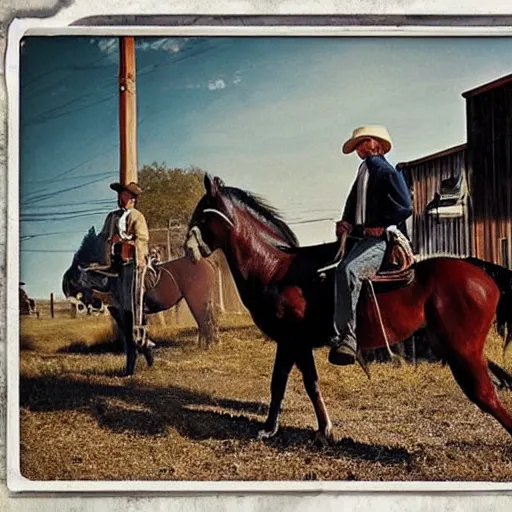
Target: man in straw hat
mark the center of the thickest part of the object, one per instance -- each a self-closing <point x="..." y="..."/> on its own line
<point x="378" y="201"/>
<point x="126" y="227"/>
<point x="126" y="236"/>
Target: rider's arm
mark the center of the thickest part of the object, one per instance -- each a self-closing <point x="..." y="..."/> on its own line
<point x="141" y="237"/>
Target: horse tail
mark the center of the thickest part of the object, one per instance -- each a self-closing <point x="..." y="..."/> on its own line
<point x="500" y="377"/>
<point x="503" y="278"/>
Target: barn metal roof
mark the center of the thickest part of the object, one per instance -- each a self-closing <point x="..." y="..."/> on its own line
<point x="434" y="156"/>
<point x="488" y="86"/>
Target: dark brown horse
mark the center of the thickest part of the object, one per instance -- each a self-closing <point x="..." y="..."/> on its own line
<point x="279" y="284"/>
<point x="174" y="280"/>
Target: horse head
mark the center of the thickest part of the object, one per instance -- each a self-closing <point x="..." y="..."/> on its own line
<point x="211" y="221"/>
<point x="80" y="286"/>
<point x="229" y="215"/>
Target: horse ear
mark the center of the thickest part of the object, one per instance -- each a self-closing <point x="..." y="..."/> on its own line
<point x="212" y="186"/>
<point x="207" y="182"/>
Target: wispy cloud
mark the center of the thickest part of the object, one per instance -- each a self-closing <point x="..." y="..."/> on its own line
<point x="164" y="44"/>
<point x="110" y="45"/>
<point x="216" y="84"/>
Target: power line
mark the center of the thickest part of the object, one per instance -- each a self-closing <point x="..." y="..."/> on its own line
<point x="75" y="167"/>
<point x="94" y="202"/>
<point x="24" y="238"/>
<point x="153" y="67"/>
<point x="62" y="114"/>
<point x="60" y="178"/>
<point x="61" y="214"/>
<point x="49" y="250"/>
<point x="55" y="193"/>
<point x="74" y="67"/>
<point x="68" y="217"/>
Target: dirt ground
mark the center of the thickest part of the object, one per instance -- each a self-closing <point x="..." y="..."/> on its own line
<point x="195" y="415"/>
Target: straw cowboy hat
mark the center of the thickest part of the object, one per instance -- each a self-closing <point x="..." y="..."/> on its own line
<point x="376" y="132"/>
<point x="132" y="187"/>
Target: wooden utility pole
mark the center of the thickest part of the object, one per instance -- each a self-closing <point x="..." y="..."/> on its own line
<point x="127" y="111"/>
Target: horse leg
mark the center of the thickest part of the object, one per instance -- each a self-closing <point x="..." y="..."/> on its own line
<point x="473" y="378"/>
<point x="282" y="367"/>
<point x="306" y="364"/>
<point x="509" y="337"/>
<point x="147" y="349"/>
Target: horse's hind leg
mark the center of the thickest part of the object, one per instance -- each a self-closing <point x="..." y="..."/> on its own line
<point x="473" y="377"/>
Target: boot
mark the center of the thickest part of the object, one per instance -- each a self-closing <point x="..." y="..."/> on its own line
<point x="343" y="349"/>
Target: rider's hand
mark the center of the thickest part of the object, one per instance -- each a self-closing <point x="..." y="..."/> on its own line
<point x="343" y="228"/>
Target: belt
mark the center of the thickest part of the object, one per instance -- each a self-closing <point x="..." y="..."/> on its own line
<point x="374" y="231"/>
<point x="362" y="231"/>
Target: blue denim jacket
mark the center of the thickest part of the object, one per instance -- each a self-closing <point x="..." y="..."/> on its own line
<point x="388" y="200"/>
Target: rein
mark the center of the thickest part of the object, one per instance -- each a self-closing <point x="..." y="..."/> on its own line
<point x="392" y="355"/>
<point x="170" y="275"/>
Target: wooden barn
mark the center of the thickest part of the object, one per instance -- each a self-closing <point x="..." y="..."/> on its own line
<point x="440" y="221"/>
<point x="462" y="196"/>
<point x="489" y="135"/>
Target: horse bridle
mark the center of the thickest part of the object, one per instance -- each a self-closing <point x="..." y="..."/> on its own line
<point x="195" y="242"/>
<point x="223" y="216"/>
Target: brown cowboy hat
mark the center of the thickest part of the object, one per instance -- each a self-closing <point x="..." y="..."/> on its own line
<point x="132" y="187"/>
<point x="376" y="132"/>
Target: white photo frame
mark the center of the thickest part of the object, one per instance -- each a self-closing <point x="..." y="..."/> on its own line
<point x="16" y="482"/>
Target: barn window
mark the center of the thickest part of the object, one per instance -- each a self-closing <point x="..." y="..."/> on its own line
<point x="449" y="202"/>
<point x="505" y="252"/>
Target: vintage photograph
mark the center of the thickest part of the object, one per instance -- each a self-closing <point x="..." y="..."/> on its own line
<point x="265" y="258"/>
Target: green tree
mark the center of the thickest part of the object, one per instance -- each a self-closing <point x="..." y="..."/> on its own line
<point x="169" y="194"/>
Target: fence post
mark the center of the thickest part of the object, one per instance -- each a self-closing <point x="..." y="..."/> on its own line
<point x="52" y="312"/>
<point x="222" y="306"/>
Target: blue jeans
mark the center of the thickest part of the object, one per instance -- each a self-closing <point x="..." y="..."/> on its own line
<point x="127" y="294"/>
<point x="362" y="262"/>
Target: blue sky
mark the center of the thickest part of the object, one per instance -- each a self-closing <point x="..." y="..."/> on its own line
<point x="265" y="114"/>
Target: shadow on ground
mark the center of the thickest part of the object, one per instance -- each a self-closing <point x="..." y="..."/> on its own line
<point x="196" y="415"/>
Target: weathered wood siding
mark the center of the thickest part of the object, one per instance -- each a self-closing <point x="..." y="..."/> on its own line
<point x="429" y="234"/>
<point x="489" y="131"/>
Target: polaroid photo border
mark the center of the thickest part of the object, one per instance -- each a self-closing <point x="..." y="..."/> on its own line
<point x="18" y="483"/>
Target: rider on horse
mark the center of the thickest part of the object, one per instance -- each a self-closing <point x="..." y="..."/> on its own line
<point x="378" y="202"/>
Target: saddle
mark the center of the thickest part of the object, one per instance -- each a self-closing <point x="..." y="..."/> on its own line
<point x="397" y="269"/>
<point x="398" y="264"/>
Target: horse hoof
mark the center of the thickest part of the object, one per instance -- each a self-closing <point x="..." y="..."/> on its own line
<point x="324" y="438"/>
<point x="148" y="354"/>
<point x="266" y="434"/>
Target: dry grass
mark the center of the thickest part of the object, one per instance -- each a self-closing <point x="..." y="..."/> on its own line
<point x="195" y="414"/>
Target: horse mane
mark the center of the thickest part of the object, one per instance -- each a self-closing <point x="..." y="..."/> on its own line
<point x="267" y="212"/>
<point x="91" y="249"/>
